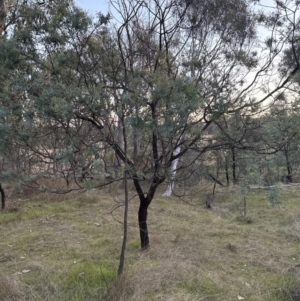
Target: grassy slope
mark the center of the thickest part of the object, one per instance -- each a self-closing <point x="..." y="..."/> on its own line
<point x="71" y="246"/>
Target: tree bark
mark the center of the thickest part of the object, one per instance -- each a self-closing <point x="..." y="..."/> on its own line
<point x="233" y="165"/>
<point x="143" y="209"/>
<point x="2" y="197"/>
<point x="142" y="216"/>
<point x="289" y="176"/>
<point x="125" y="229"/>
<point x="120" y="143"/>
<point x="171" y="184"/>
<point x="226" y="171"/>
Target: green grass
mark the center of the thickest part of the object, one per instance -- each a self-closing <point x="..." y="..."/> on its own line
<point x="71" y="247"/>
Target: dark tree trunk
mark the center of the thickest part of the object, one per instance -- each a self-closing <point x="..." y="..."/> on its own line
<point x="142" y="214"/>
<point x="227" y="174"/>
<point x="289" y="177"/>
<point x="2" y="197"/>
<point x="233" y="165"/>
<point x="143" y="210"/>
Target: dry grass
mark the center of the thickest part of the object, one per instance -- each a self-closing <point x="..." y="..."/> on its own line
<point x="71" y="246"/>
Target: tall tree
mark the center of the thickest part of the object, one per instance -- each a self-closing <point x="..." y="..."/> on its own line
<point x="166" y="73"/>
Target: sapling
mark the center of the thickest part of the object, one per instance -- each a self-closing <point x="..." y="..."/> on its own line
<point x="243" y="189"/>
<point x="274" y="194"/>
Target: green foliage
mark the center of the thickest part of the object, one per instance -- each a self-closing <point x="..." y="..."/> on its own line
<point x="66" y="73"/>
<point x="9" y="56"/>
<point x="249" y="61"/>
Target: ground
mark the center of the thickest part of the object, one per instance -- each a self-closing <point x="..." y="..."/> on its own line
<point x="67" y="247"/>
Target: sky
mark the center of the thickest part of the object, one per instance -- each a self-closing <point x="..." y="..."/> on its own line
<point x="93" y="6"/>
<point x="102" y="5"/>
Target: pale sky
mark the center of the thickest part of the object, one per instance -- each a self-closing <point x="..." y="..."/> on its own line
<point x="93" y="6"/>
<point x="102" y="5"/>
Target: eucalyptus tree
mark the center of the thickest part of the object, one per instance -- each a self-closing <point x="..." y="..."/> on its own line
<point x="170" y="103"/>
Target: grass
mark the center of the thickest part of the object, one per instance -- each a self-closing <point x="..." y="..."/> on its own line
<point x="67" y="248"/>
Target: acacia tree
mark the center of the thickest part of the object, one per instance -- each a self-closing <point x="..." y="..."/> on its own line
<point x="166" y="73"/>
<point x="178" y="86"/>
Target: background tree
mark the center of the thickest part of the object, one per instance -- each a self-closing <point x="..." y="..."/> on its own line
<point x="282" y="134"/>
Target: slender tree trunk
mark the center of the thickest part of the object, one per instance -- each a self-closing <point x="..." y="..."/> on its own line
<point x="289" y="176"/>
<point x="120" y="142"/>
<point x="136" y="146"/>
<point x="2" y="197"/>
<point x="227" y="172"/>
<point x="125" y="220"/>
<point x="125" y="230"/>
<point x="233" y="164"/>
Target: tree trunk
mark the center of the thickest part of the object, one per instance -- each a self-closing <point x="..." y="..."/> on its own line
<point x="120" y="142"/>
<point x="233" y="165"/>
<point x="2" y="197"/>
<point x="142" y="215"/>
<point x="226" y="171"/>
<point x="289" y="176"/>
<point x="143" y="209"/>
<point x="125" y="229"/>
<point x="173" y="168"/>
<point x="171" y="184"/>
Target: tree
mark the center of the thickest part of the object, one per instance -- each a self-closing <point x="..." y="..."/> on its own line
<point x="159" y="75"/>
<point x="281" y="134"/>
<point x="167" y="73"/>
